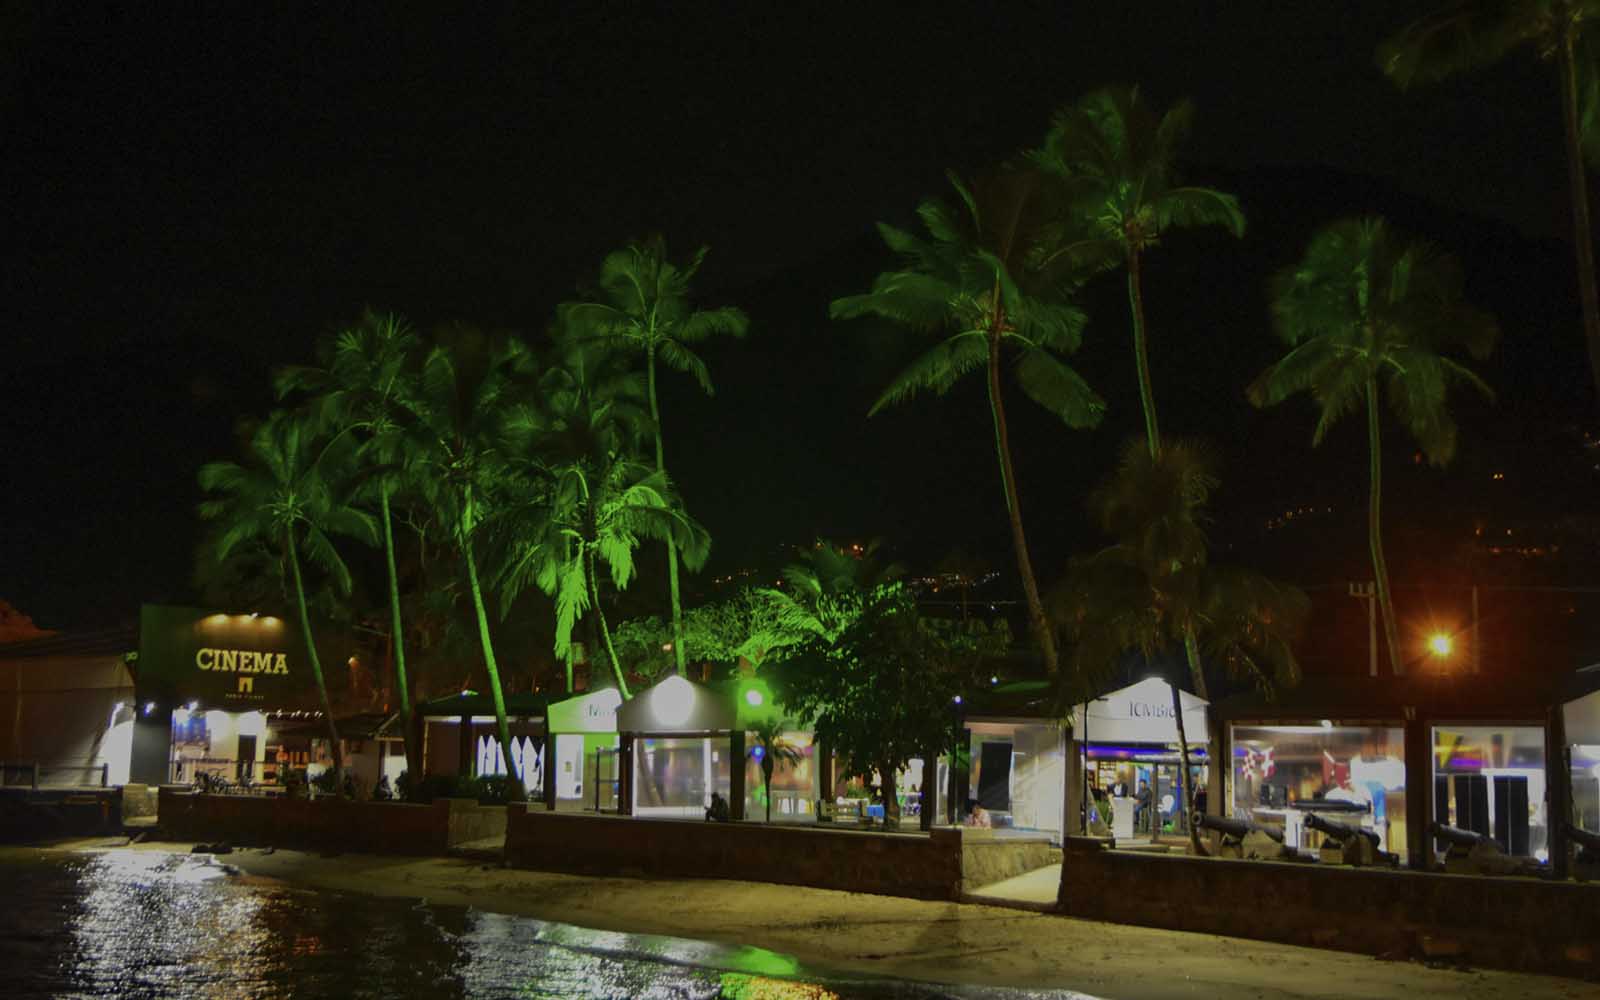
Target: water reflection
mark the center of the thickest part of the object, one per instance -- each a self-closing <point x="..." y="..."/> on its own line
<point x="145" y="924"/>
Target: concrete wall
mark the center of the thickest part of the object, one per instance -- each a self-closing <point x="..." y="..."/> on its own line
<point x="328" y="824"/>
<point x="987" y="860"/>
<point x="921" y="867"/>
<point x="1511" y="923"/>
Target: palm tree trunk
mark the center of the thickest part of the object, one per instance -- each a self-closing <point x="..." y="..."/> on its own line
<point x="889" y="773"/>
<point x="1008" y="478"/>
<point x="316" y="664"/>
<point x="1141" y="356"/>
<point x="1380" y="569"/>
<point x="672" y="548"/>
<point x="605" y="631"/>
<point x="516" y="792"/>
<point x="402" y="684"/>
<point x="1191" y="650"/>
<point x="766" y="782"/>
<point x="1578" y="182"/>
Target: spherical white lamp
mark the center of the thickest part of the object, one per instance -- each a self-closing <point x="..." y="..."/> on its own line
<point x="672" y="701"/>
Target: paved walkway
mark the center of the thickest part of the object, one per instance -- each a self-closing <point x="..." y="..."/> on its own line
<point x="1035" y="890"/>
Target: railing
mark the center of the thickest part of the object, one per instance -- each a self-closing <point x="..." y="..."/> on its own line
<point x="33" y="774"/>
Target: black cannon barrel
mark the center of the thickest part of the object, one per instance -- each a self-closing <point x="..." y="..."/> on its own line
<point x="1458" y="837"/>
<point x="1586" y="839"/>
<point x="1232" y="827"/>
<point x="1340" y="831"/>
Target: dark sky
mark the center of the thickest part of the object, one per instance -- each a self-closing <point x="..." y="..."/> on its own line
<point x="191" y="199"/>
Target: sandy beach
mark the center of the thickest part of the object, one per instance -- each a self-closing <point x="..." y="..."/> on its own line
<point x="840" y="933"/>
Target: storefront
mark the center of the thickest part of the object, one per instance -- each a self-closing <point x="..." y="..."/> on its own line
<point x="460" y="736"/>
<point x="678" y="744"/>
<point x="1127" y="744"/>
<point x="208" y="685"/>
<point x="582" y="775"/>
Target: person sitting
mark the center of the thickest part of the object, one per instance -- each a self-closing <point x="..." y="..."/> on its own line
<point x="1141" y="807"/>
<point x="977" y="816"/>
<point x="381" y="792"/>
<point x="717" y="812"/>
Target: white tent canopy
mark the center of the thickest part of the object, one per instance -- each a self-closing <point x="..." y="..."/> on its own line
<point x="1140" y="713"/>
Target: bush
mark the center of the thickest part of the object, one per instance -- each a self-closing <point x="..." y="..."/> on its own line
<point x="492" y="789"/>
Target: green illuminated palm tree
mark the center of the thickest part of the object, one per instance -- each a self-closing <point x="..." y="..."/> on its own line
<point x="1371" y="312"/>
<point x="645" y="310"/>
<point x="293" y="495"/>
<point x="771" y="747"/>
<point x="825" y="591"/>
<point x="454" y="455"/>
<point x="366" y="374"/>
<point x="971" y="283"/>
<point x="588" y="502"/>
<point x="1117" y="160"/>
<point x="1461" y="35"/>
<point x="1155" y="589"/>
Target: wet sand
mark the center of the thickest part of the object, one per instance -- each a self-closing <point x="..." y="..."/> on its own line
<point x="841" y="933"/>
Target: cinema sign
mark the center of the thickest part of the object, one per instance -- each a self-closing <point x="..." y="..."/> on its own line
<point x="222" y="660"/>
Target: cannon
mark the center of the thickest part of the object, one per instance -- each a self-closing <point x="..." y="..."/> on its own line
<point x="1586" y="866"/>
<point x="1470" y="853"/>
<point x="1350" y="844"/>
<point x="1240" y="838"/>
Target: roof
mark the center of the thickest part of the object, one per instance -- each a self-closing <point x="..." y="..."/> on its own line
<point x="1360" y="696"/>
<point x="74" y="645"/>
<point x="521" y="705"/>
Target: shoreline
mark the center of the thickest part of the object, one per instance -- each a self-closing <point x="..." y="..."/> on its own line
<point x="844" y="935"/>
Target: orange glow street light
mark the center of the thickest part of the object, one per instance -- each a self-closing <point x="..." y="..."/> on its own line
<point x="1439" y="644"/>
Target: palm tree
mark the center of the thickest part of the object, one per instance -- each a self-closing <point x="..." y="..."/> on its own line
<point x="454" y="453"/>
<point x="645" y="310"/>
<point x="291" y="494"/>
<point x="770" y="747"/>
<point x="971" y="282"/>
<point x="590" y="502"/>
<point x="367" y="373"/>
<point x="825" y="591"/>
<point x="1467" y="34"/>
<point x="1154" y="589"/>
<point x="1369" y="309"/>
<point x="1116" y="159"/>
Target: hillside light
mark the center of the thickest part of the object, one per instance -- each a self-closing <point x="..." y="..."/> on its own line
<point x="754" y="698"/>
<point x="1439" y="644"/>
<point x="672" y="700"/>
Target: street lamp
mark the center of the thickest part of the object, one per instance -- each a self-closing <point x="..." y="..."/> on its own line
<point x="1439" y="644"/>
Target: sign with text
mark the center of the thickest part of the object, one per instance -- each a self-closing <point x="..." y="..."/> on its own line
<point x="229" y="661"/>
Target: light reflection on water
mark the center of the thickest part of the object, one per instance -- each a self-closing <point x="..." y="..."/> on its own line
<point x="145" y="924"/>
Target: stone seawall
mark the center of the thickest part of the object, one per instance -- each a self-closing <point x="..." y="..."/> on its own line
<point x="328" y="824"/>
<point x="1509" y="923"/>
<point x="920" y="866"/>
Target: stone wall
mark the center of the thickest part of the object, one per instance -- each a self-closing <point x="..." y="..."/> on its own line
<point x="987" y="860"/>
<point x="1512" y="923"/>
<point x="920" y="866"/>
<point x="326" y="824"/>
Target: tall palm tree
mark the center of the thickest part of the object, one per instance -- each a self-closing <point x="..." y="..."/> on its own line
<point x="454" y="453"/>
<point x="771" y="747"/>
<point x="366" y="375"/>
<point x="1116" y="159"/>
<point x="1461" y="35"/>
<point x="825" y="590"/>
<point x="971" y="281"/>
<point x="590" y="501"/>
<point x="644" y="309"/>
<point x="1370" y="311"/>
<point x="291" y="496"/>
<point x="1155" y="589"/>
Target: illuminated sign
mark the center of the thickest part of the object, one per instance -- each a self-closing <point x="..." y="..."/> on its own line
<point x="237" y="661"/>
<point x="243" y="661"/>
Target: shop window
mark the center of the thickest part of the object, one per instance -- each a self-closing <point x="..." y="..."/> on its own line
<point x="1491" y="780"/>
<point x="1347" y="774"/>
<point x="1586" y="786"/>
<point x="676" y="776"/>
<point x="794" y="786"/>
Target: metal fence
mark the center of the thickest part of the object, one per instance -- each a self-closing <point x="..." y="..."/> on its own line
<point x="34" y="774"/>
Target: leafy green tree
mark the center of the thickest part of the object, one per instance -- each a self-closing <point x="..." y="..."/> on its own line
<point x="1462" y="35"/>
<point x="1155" y="589"/>
<point x="1371" y="312"/>
<point x="745" y="626"/>
<point x="882" y="692"/>
<point x="825" y="591"/>
<point x="454" y="454"/>
<point x="365" y="376"/>
<point x="293" y="496"/>
<point x="592" y="503"/>
<point x="971" y="283"/>
<point x="771" y="747"/>
<point x="644" y="308"/>
<point x="1116" y="158"/>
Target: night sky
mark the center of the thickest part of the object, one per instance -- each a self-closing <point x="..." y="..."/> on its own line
<point x="191" y="200"/>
